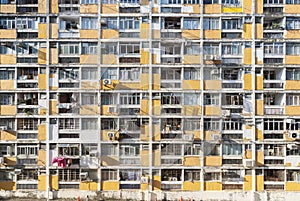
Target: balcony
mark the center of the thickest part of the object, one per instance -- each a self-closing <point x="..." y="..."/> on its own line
<point x="69" y="7"/>
<point x="69" y="27"/>
<point x="68" y="103"/>
<point x="274" y="110"/>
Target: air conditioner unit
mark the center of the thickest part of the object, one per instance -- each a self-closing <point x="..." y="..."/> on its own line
<point x="3" y="128"/>
<point x="248" y="163"/>
<point x="294" y="135"/>
<point x="112" y="109"/>
<point x="290" y="121"/>
<point x="103" y="21"/>
<point x="144" y="180"/>
<point x="208" y="57"/>
<point x="111" y="134"/>
<point x="215" y="71"/>
<point x="83" y="175"/>
<point x="107" y="81"/>
<point x="226" y="113"/>
<point x="216" y="136"/>
<point x="188" y="137"/>
<point x="292" y="146"/>
<point x="17" y="171"/>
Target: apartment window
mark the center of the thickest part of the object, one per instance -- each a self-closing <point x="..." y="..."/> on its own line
<point x="89" y="23"/>
<point x="192" y="124"/>
<point x="27" y="124"/>
<point x="273" y="124"/>
<point x="170" y="1"/>
<point x="27" y="48"/>
<point x="109" y="175"/>
<point x="88" y="99"/>
<point x="7" y="73"/>
<point x="89" y="124"/>
<point x="232" y="49"/>
<point x="108" y="99"/>
<point x="171" y="98"/>
<point x="211" y="124"/>
<point x="109" y="23"/>
<point x="68" y="73"/>
<point x="191" y="175"/>
<point x="293" y="99"/>
<point x="232" y="124"/>
<point x="191" y="23"/>
<point x="292" y="23"/>
<point x="109" y="124"/>
<point x="191" y="74"/>
<point x="130" y="175"/>
<point x="210" y="1"/>
<point x="109" y="73"/>
<point x="232" y="23"/>
<point x="130" y="74"/>
<point x="191" y="1"/>
<point x="191" y="99"/>
<point x="211" y="149"/>
<point x="211" y="23"/>
<point x="130" y="99"/>
<point x="89" y="74"/>
<point x="7" y="23"/>
<point x="89" y="1"/>
<point x="171" y="149"/>
<point x="212" y="176"/>
<point x="7" y="99"/>
<point x="292" y="1"/>
<point x="293" y="74"/>
<point x="231" y="3"/>
<point x="68" y="123"/>
<point x="89" y="150"/>
<point x="109" y="48"/>
<point x="232" y="149"/>
<point x="7" y="48"/>
<point x="293" y="175"/>
<point x="89" y="48"/>
<point x="211" y="49"/>
<point x="109" y="150"/>
<point x="192" y="49"/>
<point x="27" y="23"/>
<point x="293" y="49"/>
<point x="27" y="150"/>
<point x="130" y="150"/>
<point x="130" y="48"/>
<point x="170" y="74"/>
<point x="171" y="49"/>
<point x="211" y="99"/>
<point x="69" y="48"/>
<point x="129" y="23"/>
<point x="68" y="175"/>
<point x="273" y="48"/>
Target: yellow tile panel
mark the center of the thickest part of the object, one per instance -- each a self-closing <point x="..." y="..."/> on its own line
<point x="248" y="183"/>
<point x="10" y="161"/>
<point x="212" y="9"/>
<point x="156" y="132"/>
<point x="88" y="186"/>
<point x="213" y="161"/>
<point x="88" y="109"/>
<point x="88" y="8"/>
<point x="8" y="110"/>
<point x="42" y="31"/>
<point x="247" y="31"/>
<point x="109" y="9"/>
<point x="156" y="81"/>
<point x="156" y="107"/>
<point x="7" y="33"/>
<point x="292" y="110"/>
<point x="259" y="107"/>
<point x="8" y="8"/>
<point x="88" y="33"/>
<point x="145" y="158"/>
<point x="191" y="161"/>
<point x="109" y="161"/>
<point x="144" y="107"/>
<point x="42" y="80"/>
<point x="191" y="186"/>
<point x="212" y="34"/>
<point x="7" y="185"/>
<point x="88" y="59"/>
<point x="42" y="157"/>
<point x="156" y="182"/>
<point x="54" y="6"/>
<point x="191" y="34"/>
<point x="42" y="55"/>
<point x="292" y="59"/>
<point x="212" y="84"/>
<point x="232" y="9"/>
<point x="53" y="30"/>
<point x="145" y="57"/>
<point x="156" y="158"/>
<point x="53" y="56"/>
<point x="191" y="110"/>
<point x="42" y="132"/>
<point x="212" y="110"/>
<point x="191" y="59"/>
<point x="8" y="59"/>
<point x="247" y="5"/>
<point x="248" y="81"/>
<point x="109" y="59"/>
<point x="144" y="30"/>
<point x="259" y="81"/>
<point x="260" y="158"/>
<point x="292" y="34"/>
<point x="110" y="185"/>
<point x="213" y="186"/>
<point x="292" y="9"/>
<point x="259" y="183"/>
<point x="89" y="85"/>
<point x="259" y="6"/>
<point x="42" y="4"/>
<point x="258" y="31"/>
<point x="8" y="135"/>
<point x="144" y="83"/>
<point x="53" y="110"/>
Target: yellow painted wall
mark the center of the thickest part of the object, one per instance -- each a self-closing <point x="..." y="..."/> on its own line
<point x="10" y="161"/>
<point x="259" y="81"/>
<point x="8" y="135"/>
<point x="109" y="9"/>
<point x="156" y="182"/>
<point x="191" y="34"/>
<point x="259" y="183"/>
<point x="144" y="187"/>
<point x="212" y="84"/>
<point x="88" y="33"/>
<point x="213" y="160"/>
<point x="89" y="109"/>
<point x="104" y="110"/>
<point x="248" y="56"/>
<point x="292" y="110"/>
<point x="195" y="8"/>
<point x="54" y="182"/>
<point x="191" y="59"/>
<point x="248" y="154"/>
<point x="156" y="158"/>
<point x="109" y="161"/>
<point x="42" y="132"/>
<point x="54" y="6"/>
<point x="88" y="59"/>
<point x="8" y="110"/>
<point x="53" y="30"/>
<point x="42" y="182"/>
<point x="191" y="161"/>
<point x="7" y="185"/>
<point x="156" y="107"/>
<point x="208" y="134"/>
<point x="259" y="158"/>
<point x="259" y="134"/>
<point x="145" y="158"/>
<point x="7" y="85"/>
<point x="156" y="132"/>
<point x="247" y="5"/>
<point x="248" y="81"/>
<point x="259" y="107"/>
<point x="53" y="56"/>
<point x="8" y="59"/>
<point x="145" y="57"/>
<point x="191" y="186"/>
<point x="292" y="59"/>
<point x="155" y="34"/>
<point x="89" y="85"/>
<point x="42" y="81"/>
<point x="212" y="186"/>
<point x="189" y="110"/>
<point x="42" y="111"/>
<point x="42" y="4"/>
<point x="156" y="81"/>
<point x="248" y="183"/>
<point x="42" y="157"/>
<point x="128" y="85"/>
<point x="109" y="34"/>
<point x="144" y="107"/>
<point x="155" y="10"/>
<point x="8" y="33"/>
<point x="292" y="85"/>
<point x="109" y="59"/>
<point x="88" y="8"/>
<point x="293" y="34"/>
<point x="292" y="186"/>
<point x="191" y="84"/>
<point x="53" y="107"/>
<point x="214" y="34"/>
<point x="259" y="6"/>
<point x="88" y="186"/>
<point x="145" y="133"/>
<point x="42" y="30"/>
<point x="212" y="8"/>
<point x="110" y="185"/>
<point x="232" y="9"/>
<point x="259" y="31"/>
<point x="7" y="8"/>
<point x="42" y="55"/>
<point x="292" y="9"/>
<point x="144" y="83"/>
<point x="212" y="110"/>
<point x="144" y="30"/>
